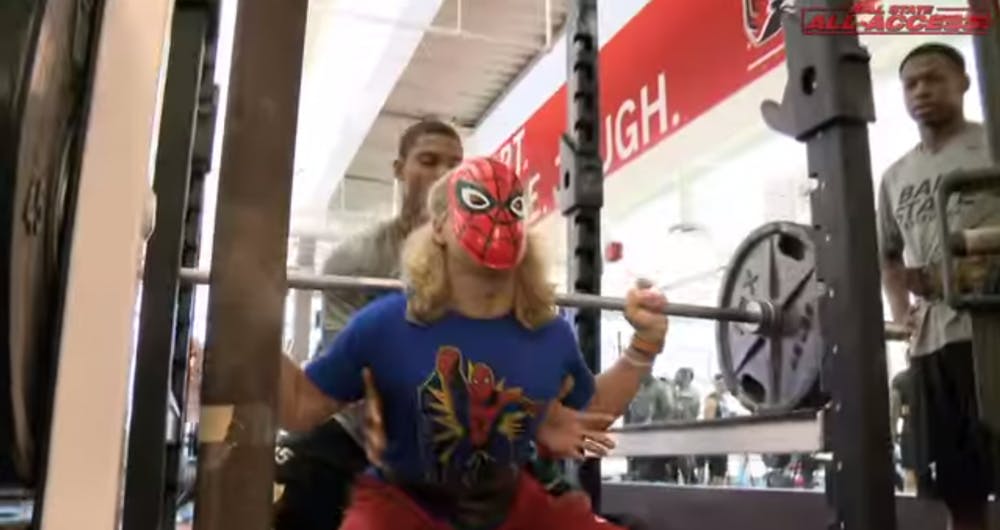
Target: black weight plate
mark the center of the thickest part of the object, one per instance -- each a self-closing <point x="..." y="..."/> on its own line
<point x="39" y="76"/>
<point x="777" y="368"/>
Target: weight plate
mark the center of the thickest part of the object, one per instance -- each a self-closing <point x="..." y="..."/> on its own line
<point x="39" y="73"/>
<point x="775" y="368"/>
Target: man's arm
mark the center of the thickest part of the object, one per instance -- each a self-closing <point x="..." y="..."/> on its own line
<point x="362" y="255"/>
<point x="890" y="244"/>
<point x="340" y="304"/>
<point x="894" y="283"/>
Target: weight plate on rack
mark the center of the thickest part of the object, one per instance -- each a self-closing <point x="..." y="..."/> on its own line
<point x="40" y="71"/>
<point x="775" y="367"/>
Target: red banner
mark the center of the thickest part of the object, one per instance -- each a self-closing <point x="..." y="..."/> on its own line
<point x="666" y="67"/>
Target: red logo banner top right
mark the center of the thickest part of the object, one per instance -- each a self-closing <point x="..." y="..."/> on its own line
<point x="873" y="17"/>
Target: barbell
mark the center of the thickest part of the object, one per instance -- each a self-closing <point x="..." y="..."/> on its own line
<point x="324" y="282"/>
<point x="297" y="280"/>
<point x="769" y="344"/>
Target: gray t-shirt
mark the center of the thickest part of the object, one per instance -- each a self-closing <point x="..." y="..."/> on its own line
<point x="374" y="253"/>
<point x="650" y="404"/>
<point x="686" y="403"/>
<point x="908" y="224"/>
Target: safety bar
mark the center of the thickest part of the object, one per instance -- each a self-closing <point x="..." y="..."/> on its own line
<point x="796" y="432"/>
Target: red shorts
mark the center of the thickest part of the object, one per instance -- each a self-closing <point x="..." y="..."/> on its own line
<point x="376" y="505"/>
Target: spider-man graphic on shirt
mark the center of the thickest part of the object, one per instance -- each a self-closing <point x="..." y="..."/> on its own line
<point x="470" y="421"/>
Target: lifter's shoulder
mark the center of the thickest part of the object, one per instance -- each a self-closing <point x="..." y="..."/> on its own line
<point x="386" y="307"/>
<point x="558" y="328"/>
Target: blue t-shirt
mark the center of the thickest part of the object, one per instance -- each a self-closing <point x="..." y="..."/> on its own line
<point x="459" y="396"/>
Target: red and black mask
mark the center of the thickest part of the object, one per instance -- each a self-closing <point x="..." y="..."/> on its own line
<point x="486" y="206"/>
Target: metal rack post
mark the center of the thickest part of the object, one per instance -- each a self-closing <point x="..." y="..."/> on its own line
<point x="150" y="487"/>
<point x="987" y="50"/>
<point x="243" y="345"/>
<point x="581" y="192"/>
<point x="984" y="316"/>
<point x="828" y="104"/>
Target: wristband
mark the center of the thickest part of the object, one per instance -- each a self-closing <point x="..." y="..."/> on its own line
<point x="629" y="358"/>
<point x="650" y="349"/>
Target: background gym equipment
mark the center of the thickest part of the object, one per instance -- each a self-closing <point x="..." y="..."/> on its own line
<point x="44" y="69"/>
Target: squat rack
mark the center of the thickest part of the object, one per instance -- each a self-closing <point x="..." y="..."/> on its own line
<point x="827" y="105"/>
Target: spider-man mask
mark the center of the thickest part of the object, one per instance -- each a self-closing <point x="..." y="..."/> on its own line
<point x="486" y="206"/>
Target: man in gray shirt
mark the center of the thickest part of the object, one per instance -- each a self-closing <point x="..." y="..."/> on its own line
<point x="427" y="151"/>
<point x="685" y="403"/>
<point x="951" y="456"/>
<point x="316" y="470"/>
<point x="650" y="405"/>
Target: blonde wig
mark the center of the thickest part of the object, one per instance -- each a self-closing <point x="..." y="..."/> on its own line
<point x="425" y="272"/>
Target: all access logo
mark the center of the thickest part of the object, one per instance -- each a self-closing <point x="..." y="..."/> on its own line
<point x="873" y="17"/>
<point x="762" y="19"/>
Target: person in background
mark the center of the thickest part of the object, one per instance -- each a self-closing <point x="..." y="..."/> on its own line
<point x="650" y="405"/>
<point x="687" y="403"/>
<point x="715" y="408"/>
<point x="952" y="456"/>
<point x="315" y="469"/>
<point x="685" y="406"/>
